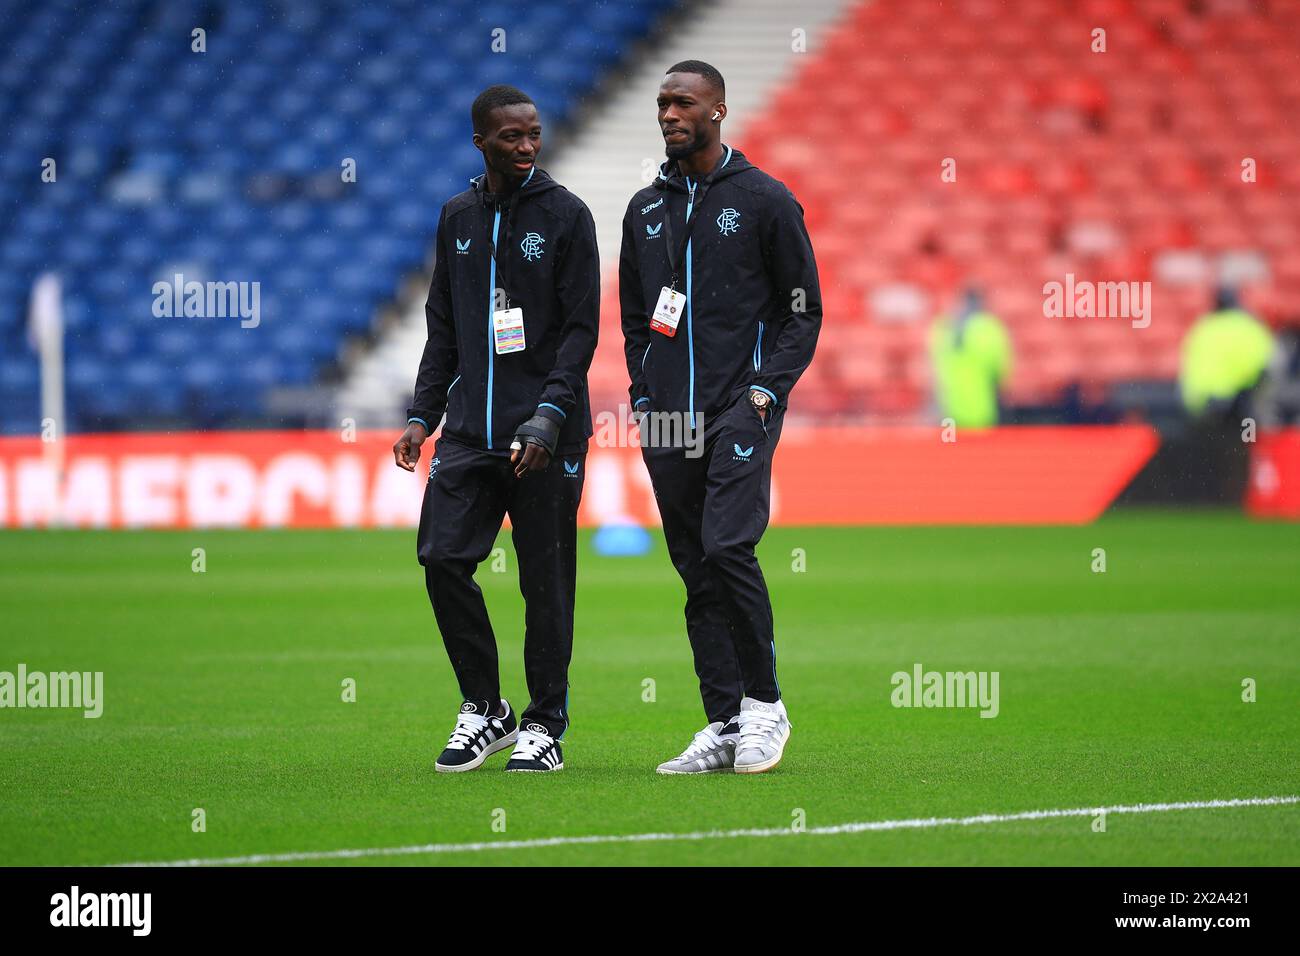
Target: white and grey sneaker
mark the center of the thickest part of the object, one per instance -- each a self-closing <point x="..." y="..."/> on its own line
<point x="536" y="751"/>
<point x="713" y="750"/>
<point x="478" y="735"/>
<point x="764" y="730"/>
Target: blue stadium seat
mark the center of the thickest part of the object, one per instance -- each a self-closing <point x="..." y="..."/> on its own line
<point x="225" y="165"/>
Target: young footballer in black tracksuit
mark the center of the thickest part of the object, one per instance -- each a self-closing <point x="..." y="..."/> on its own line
<point x="719" y="250"/>
<point x="512" y="321"/>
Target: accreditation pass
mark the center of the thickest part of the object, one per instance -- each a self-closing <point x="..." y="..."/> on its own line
<point x="508" y="330"/>
<point x="668" y="311"/>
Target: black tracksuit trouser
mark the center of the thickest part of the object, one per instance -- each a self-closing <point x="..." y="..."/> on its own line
<point x="714" y="510"/>
<point x="468" y="495"/>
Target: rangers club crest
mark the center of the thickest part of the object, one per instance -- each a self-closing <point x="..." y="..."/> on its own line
<point x="531" y="246"/>
<point x="728" y="221"/>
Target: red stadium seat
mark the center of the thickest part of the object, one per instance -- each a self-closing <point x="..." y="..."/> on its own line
<point x="1067" y="161"/>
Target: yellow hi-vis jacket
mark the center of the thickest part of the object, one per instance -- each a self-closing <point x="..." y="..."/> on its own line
<point x="967" y="376"/>
<point x="1223" y="354"/>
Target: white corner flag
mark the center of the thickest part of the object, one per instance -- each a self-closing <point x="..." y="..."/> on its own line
<point x="45" y="334"/>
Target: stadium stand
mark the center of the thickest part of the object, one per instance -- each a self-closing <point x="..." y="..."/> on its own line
<point x="1123" y="165"/>
<point x="213" y="166"/>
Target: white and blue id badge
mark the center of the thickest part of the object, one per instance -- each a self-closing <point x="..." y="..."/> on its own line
<point x="668" y="311"/>
<point x="508" y="330"/>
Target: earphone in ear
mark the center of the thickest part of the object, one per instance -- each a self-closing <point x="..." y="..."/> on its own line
<point x="716" y="114"/>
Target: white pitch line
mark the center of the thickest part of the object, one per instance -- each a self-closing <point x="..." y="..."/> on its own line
<point x="841" y="828"/>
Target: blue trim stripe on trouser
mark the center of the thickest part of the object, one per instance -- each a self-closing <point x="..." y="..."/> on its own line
<point x="715" y="510"/>
<point x="465" y="502"/>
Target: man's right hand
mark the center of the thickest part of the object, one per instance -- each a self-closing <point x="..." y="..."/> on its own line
<point x="406" y="451"/>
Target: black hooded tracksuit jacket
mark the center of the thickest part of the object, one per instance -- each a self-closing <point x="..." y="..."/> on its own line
<point x="749" y="251"/>
<point x="547" y="263"/>
<point x="752" y="316"/>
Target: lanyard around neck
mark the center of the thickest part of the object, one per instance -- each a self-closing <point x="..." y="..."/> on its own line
<point x="510" y="219"/>
<point x="677" y="251"/>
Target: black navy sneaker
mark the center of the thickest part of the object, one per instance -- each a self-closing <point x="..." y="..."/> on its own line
<point x="536" y="751"/>
<point x="477" y="735"/>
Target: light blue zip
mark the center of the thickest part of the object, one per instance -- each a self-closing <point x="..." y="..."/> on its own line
<point x="492" y="295"/>
<point x="758" y="349"/>
<point x="690" y="327"/>
<point x="690" y="323"/>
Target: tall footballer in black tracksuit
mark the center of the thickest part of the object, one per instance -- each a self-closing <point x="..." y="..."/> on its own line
<point x="514" y="390"/>
<point x="731" y="239"/>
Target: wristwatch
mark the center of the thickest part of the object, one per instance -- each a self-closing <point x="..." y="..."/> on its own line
<point x="759" y="400"/>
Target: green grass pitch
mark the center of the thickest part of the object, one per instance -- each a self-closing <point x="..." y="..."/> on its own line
<point x="223" y="691"/>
